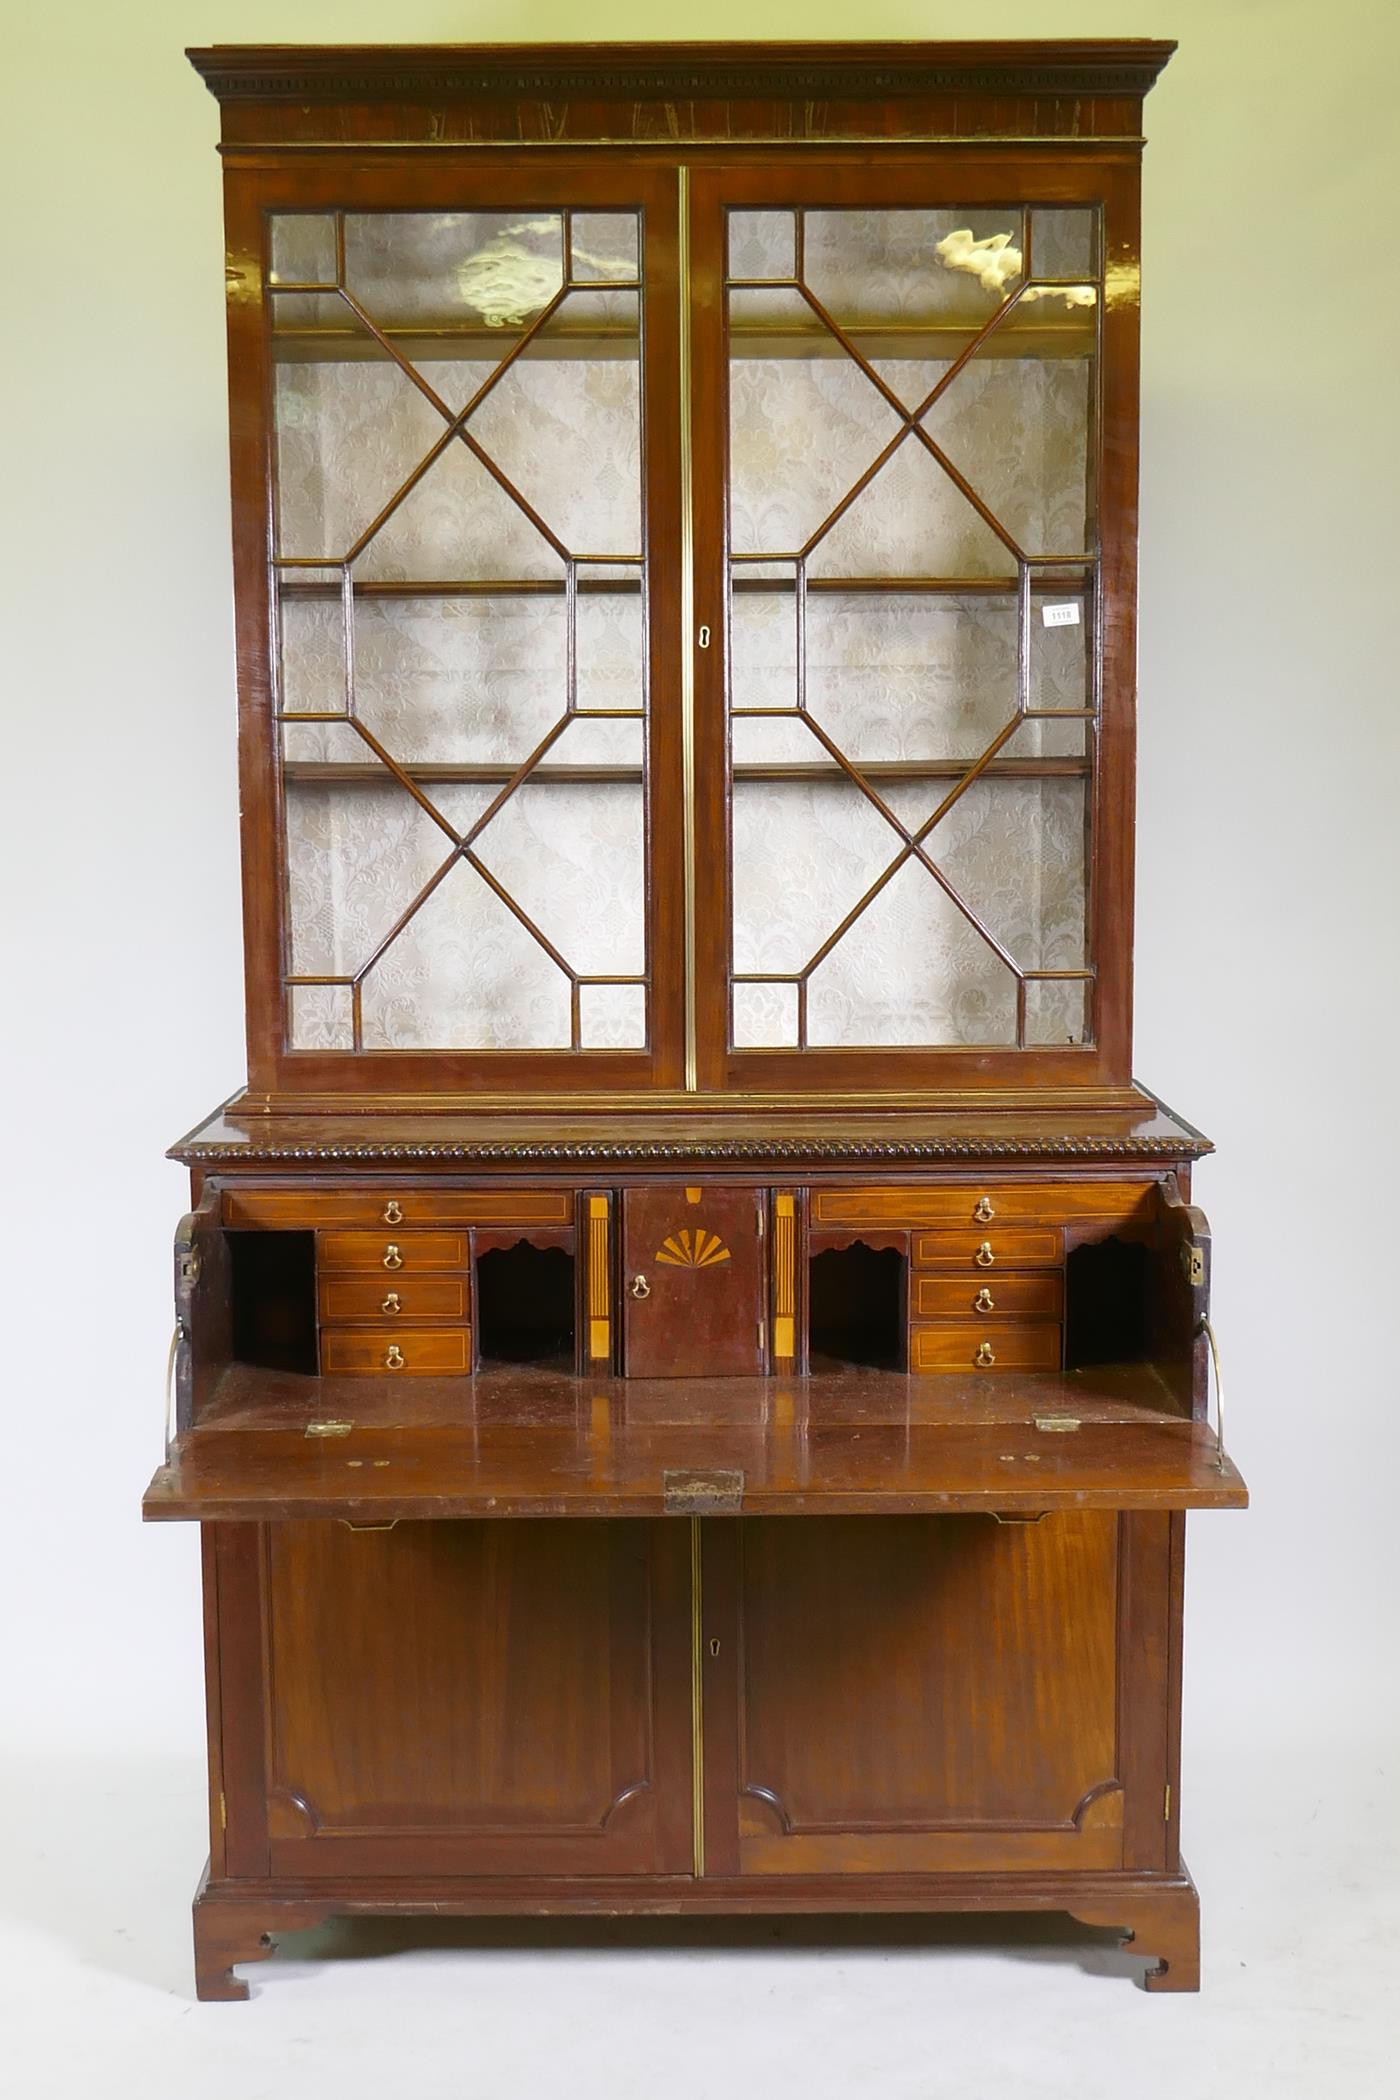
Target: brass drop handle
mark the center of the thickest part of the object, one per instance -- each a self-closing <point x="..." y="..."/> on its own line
<point x="984" y="1212"/>
<point x="984" y="1256"/>
<point x="392" y="1257"/>
<point x="391" y="1303"/>
<point x="985" y="1357"/>
<point x="393" y="1212"/>
<point x="393" y="1357"/>
<point x="640" y="1287"/>
<point x="984" y="1302"/>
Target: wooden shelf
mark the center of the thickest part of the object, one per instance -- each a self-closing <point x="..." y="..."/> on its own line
<point x="938" y="341"/>
<point x="743" y="585"/>
<point x="316" y="772"/>
<point x="522" y="1443"/>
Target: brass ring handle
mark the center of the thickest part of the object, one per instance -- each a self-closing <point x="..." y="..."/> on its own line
<point x="640" y="1287"/>
<point x="393" y="1357"/>
<point x="985" y="1357"/>
<point x="984" y="1256"/>
<point x="984" y="1302"/>
<point x="393" y="1212"/>
<point x="392" y="1257"/>
<point x="984" y="1212"/>
<point x="391" y="1303"/>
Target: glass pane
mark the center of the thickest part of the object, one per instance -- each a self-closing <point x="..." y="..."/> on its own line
<point x="465" y="975"/>
<point x="765" y="1016"/>
<point x="610" y="640"/>
<point x="603" y="247"/>
<point x="1065" y="244"/>
<point x="302" y="249"/>
<point x="911" y="441"/>
<point x="457" y="270"/>
<point x="462" y="629"/>
<point x="915" y="974"/>
<point x="322" y="1016"/>
<point x="612" y="1016"/>
<point x="311" y="663"/>
<point x="471" y="678"/>
<point x="1057" y="1011"/>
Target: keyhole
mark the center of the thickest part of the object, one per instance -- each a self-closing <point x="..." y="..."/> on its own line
<point x="714" y="1647"/>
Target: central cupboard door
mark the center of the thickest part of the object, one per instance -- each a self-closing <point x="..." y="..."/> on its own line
<point x="478" y="1698"/>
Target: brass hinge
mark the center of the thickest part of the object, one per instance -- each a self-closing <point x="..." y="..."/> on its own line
<point x="1193" y="1262"/>
<point x="223" y="1813"/>
<point x="1059" y="1425"/>
<point x="716" y="1492"/>
<point x="329" y="1428"/>
<point x="1167" y="1806"/>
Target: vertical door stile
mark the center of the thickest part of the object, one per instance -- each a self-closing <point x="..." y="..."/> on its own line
<point x="697" y="1693"/>
<point x="688" y="637"/>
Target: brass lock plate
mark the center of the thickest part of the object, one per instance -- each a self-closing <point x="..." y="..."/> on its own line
<point x="712" y="1491"/>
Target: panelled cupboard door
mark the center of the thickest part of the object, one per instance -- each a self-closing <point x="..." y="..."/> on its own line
<point x="921" y="1694"/>
<point x="477" y="1698"/>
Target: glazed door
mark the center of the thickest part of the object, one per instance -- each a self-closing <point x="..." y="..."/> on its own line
<point x="912" y="514"/>
<point x="459" y="390"/>
<point x="935" y="1694"/>
<point x="459" y="1698"/>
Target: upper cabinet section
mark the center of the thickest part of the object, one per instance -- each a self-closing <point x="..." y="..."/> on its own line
<point x="685" y="593"/>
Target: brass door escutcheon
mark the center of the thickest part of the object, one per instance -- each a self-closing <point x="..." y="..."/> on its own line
<point x="640" y="1288"/>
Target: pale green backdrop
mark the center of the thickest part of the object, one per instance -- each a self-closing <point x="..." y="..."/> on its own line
<point x="1268" y="834"/>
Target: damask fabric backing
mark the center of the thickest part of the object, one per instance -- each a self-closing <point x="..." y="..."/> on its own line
<point x="480" y="681"/>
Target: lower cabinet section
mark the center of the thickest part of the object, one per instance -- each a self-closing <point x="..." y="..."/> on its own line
<point x="686" y="1697"/>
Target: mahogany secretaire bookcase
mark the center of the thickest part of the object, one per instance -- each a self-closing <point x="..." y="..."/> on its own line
<point x="692" y="1350"/>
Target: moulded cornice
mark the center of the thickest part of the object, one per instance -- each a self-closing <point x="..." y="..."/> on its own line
<point x="380" y="72"/>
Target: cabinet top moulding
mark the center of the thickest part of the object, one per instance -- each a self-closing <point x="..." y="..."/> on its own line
<point x="680" y="94"/>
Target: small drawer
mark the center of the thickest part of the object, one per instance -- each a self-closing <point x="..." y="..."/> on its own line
<point x="1014" y="1297"/>
<point x="387" y="1350"/>
<point x="985" y="1252"/>
<point x="392" y="1298"/>
<point x="268" y="1210"/>
<point x="393" y="1253"/>
<point x="979" y="1346"/>
<point x="980" y="1203"/>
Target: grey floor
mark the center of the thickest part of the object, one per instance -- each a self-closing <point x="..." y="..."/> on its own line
<point x="1297" y="1856"/>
